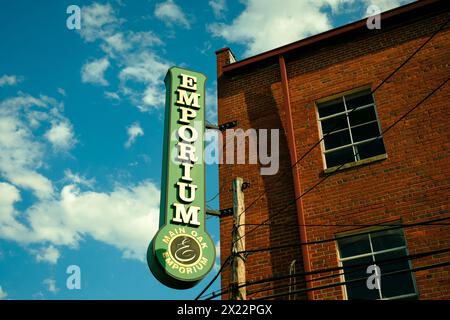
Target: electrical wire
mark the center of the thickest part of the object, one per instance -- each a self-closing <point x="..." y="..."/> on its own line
<point x="337" y="169"/>
<point x="422" y="223"/>
<point x="353" y="110"/>
<point x="326" y="270"/>
<point x="358" y="267"/>
<point x="283" y="277"/>
<point x="224" y="264"/>
<point x="304" y="155"/>
<point x="427" y="267"/>
<point x="328" y="225"/>
<point x="220" y="190"/>
<point x="387" y="228"/>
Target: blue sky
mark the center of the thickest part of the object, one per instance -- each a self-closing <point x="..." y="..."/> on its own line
<point x="81" y="128"/>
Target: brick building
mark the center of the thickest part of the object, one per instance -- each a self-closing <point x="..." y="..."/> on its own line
<point x="321" y="87"/>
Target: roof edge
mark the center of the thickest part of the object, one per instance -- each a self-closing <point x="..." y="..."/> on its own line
<point x="357" y="25"/>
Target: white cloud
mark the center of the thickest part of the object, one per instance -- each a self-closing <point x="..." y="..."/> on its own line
<point x="61" y="91"/>
<point x="10" y="195"/>
<point x="97" y="21"/>
<point x="49" y="254"/>
<point x="116" y="42"/>
<point x="133" y="52"/>
<point x="7" y="80"/>
<point x="133" y="132"/>
<point x="219" y="7"/>
<point x="126" y="218"/>
<point x="50" y="285"/>
<point x="217" y="262"/>
<point x="121" y="43"/>
<point x="61" y="136"/>
<point x="94" y="72"/>
<point x="218" y="248"/>
<point x="3" y="294"/>
<point x="139" y="68"/>
<point x="344" y="6"/>
<point x="211" y="103"/>
<point x="170" y="13"/>
<point x="10" y="228"/>
<point x="143" y="39"/>
<point x="266" y="24"/>
<point x="112" y="95"/>
<point x="77" y="179"/>
<point x="149" y="69"/>
<point x="22" y="149"/>
<point x="40" y="185"/>
<point x="26" y="101"/>
<point x="22" y="145"/>
<point x="101" y="23"/>
<point x="386" y="5"/>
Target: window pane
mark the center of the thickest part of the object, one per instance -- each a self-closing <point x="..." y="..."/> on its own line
<point x="358" y="99"/>
<point x="362" y="116"/>
<point x="339" y="157"/>
<point x="394" y="285"/>
<point x="354" y="246"/>
<point x="331" y="107"/>
<point x="337" y="139"/>
<point x="370" y="149"/>
<point x="365" y="132"/>
<point x="333" y="124"/>
<point x="359" y="290"/>
<point x="387" y="239"/>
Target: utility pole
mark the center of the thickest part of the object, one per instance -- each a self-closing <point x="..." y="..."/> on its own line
<point x="238" y="243"/>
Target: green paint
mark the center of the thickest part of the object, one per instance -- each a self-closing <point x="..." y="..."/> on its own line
<point x="182" y="252"/>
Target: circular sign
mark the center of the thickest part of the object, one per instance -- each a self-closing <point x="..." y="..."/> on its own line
<point x="185" y="250"/>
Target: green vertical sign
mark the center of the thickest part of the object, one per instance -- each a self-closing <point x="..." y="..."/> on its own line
<point x="182" y="252"/>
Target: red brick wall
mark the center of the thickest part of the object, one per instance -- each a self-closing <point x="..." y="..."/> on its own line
<point x="411" y="184"/>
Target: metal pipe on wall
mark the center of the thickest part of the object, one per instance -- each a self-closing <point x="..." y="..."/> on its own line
<point x="295" y="172"/>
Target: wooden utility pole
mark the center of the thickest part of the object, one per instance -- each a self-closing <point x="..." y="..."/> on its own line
<point x="238" y="243"/>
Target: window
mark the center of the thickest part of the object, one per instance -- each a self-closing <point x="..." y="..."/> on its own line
<point x="385" y="249"/>
<point x="350" y="128"/>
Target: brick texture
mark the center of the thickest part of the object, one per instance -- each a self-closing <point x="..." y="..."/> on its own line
<point x="412" y="184"/>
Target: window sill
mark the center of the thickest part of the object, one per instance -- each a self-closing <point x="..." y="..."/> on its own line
<point x="356" y="164"/>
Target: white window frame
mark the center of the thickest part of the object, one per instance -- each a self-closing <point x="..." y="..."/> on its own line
<point x="372" y="253"/>
<point x="349" y="128"/>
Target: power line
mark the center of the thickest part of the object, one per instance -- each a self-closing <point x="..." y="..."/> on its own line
<point x="317" y="143"/>
<point x="376" y="88"/>
<point x="326" y="270"/>
<point x="220" y="190"/>
<point x="427" y="267"/>
<point x="329" y="225"/>
<point x="388" y="227"/>
<point x="337" y="169"/>
<point x="356" y="268"/>
<point x="338" y="123"/>
<point x="422" y="223"/>
<point x="224" y="264"/>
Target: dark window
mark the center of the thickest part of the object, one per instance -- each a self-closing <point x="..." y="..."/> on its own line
<point x="385" y="249"/>
<point x="350" y="128"/>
